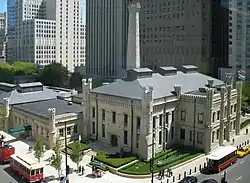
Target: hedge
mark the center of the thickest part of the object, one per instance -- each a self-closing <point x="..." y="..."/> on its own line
<point x="115" y="160"/>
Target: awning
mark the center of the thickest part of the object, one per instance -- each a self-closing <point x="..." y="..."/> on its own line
<point x="20" y="129"/>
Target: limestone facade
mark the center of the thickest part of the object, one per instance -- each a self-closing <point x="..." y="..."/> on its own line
<point x="203" y="119"/>
<point x="49" y="128"/>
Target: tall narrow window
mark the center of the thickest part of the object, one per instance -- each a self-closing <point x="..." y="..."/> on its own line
<point x="173" y="116"/>
<point x="183" y="115"/>
<point x="103" y="114"/>
<point x="160" y="137"/>
<point x="182" y="134"/>
<point x="154" y="121"/>
<point x="103" y="131"/>
<point x="213" y="117"/>
<point x="172" y="133"/>
<point x="126" y="137"/>
<point x="93" y="112"/>
<point x="190" y="135"/>
<point x="160" y="120"/>
<point x="125" y="120"/>
<point x="114" y="117"/>
<point x="93" y="127"/>
<point x="167" y="117"/>
<point x="138" y="123"/>
<point x="218" y="115"/>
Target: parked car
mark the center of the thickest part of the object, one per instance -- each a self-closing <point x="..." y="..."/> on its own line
<point x="189" y="179"/>
<point x="209" y="181"/>
<point x="242" y="152"/>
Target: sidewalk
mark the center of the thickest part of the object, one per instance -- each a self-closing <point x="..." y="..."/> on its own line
<point x="242" y="138"/>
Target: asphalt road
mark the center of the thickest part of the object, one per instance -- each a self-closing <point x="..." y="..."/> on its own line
<point x="237" y="173"/>
<point x="7" y="176"/>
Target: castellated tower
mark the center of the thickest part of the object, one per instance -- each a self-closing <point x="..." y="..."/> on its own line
<point x="133" y="45"/>
<point x="86" y="88"/>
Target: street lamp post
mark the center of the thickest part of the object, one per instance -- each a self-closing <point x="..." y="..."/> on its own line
<point x="66" y="152"/>
<point x="152" y="158"/>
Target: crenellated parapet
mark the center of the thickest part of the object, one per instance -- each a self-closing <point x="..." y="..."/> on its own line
<point x="191" y="96"/>
<point x="177" y="91"/>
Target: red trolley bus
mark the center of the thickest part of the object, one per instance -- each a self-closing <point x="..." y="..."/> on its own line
<point x="28" y="168"/>
<point x="6" y="151"/>
<point x="222" y="158"/>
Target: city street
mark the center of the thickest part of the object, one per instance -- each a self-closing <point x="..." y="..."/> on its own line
<point x="238" y="173"/>
<point x="7" y="176"/>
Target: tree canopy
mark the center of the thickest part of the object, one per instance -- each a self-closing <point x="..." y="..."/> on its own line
<point x="54" y="74"/>
<point x="39" y="150"/>
<point x="246" y="94"/>
<point x="57" y="158"/>
<point x="75" y="80"/>
<point x="76" y="152"/>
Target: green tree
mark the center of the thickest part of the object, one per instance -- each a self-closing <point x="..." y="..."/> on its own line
<point x="24" y="68"/>
<point x="39" y="150"/>
<point x="57" y="158"/>
<point x="6" y="73"/>
<point x="54" y="75"/>
<point x="75" y="80"/>
<point x="246" y="94"/>
<point x="76" y="152"/>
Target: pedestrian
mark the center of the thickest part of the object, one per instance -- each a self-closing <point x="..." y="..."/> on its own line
<point x="83" y="169"/>
<point x="163" y="173"/>
<point x="246" y="130"/>
<point x="233" y="140"/>
<point x="171" y="173"/>
<point x="79" y="169"/>
<point x="159" y="175"/>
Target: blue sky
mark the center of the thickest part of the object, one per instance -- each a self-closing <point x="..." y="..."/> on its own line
<point x="3" y="4"/>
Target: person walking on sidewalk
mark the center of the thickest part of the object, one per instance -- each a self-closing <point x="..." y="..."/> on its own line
<point x="79" y="169"/>
<point x="83" y="170"/>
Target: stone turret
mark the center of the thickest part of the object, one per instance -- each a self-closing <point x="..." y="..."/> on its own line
<point x="86" y="88"/>
<point x="238" y="110"/>
<point x="222" y="112"/>
<point x="210" y="83"/>
<point x="177" y="90"/>
<point x="208" y="122"/>
<point x="52" y="120"/>
<point x="146" y="121"/>
<point x="6" y="113"/>
<point x="133" y="45"/>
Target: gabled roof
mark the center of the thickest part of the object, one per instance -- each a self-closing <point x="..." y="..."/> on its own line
<point x="162" y="85"/>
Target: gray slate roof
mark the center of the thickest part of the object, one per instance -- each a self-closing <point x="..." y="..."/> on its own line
<point x="41" y="108"/>
<point x="19" y="98"/>
<point x="162" y="85"/>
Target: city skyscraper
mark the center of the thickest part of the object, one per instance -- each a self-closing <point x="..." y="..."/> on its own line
<point x="3" y="33"/>
<point x="106" y="37"/>
<point x="172" y="33"/>
<point x="239" y="11"/>
<point x="46" y="31"/>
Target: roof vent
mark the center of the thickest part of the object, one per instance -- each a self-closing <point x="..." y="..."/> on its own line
<point x="188" y="69"/>
<point x="139" y="73"/>
<point x="70" y="103"/>
<point x="166" y="71"/>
